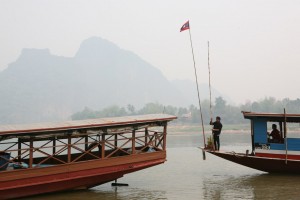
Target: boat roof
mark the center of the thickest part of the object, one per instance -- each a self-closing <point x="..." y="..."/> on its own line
<point x="114" y="122"/>
<point x="276" y="117"/>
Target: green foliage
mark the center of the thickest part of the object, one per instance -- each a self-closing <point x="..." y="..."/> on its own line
<point x="131" y="108"/>
<point x="228" y="113"/>
<point x="292" y="106"/>
<point x="85" y="114"/>
<point x="152" y="108"/>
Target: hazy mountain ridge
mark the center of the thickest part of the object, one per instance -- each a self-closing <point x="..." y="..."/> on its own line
<point x="40" y="86"/>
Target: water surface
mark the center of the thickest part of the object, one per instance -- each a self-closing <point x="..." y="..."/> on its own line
<point x="186" y="175"/>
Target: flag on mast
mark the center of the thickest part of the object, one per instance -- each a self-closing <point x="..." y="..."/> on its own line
<point x="185" y="26"/>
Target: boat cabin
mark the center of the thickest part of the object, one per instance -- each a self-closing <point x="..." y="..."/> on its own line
<point x="263" y="142"/>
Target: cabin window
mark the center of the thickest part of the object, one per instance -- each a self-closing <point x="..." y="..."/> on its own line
<point x="275" y="132"/>
<point x="293" y="130"/>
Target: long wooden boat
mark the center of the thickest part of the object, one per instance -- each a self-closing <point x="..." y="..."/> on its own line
<point x="48" y="157"/>
<point x="282" y="156"/>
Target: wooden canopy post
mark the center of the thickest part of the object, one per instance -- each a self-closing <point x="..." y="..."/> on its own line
<point x="155" y="139"/>
<point x="19" y="149"/>
<point x="116" y="141"/>
<point x="133" y="142"/>
<point x="54" y="146"/>
<point x="165" y="137"/>
<point x="146" y="136"/>
<point x="86" y="142"/>
<point x="69" y="148"/>
<point x="30" y="152"/>
<point x="103" y="145"/>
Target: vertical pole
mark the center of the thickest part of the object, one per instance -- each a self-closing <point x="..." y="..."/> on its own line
<point x="146" y="136"/>
<point x="54" y="146"/>
<point x="281" y="132"/>
<point x="197" y="88"/>
<point x="69" y="148"/>
<point x="116" y="140"/>
<point x="103" y="145"/>
<point x="252" y="136"/>
<point x="19" y="149"/>
<point x="133" y="142"/>
<point x="30" y="152"/>
<point x="285" y="137"/>
<point x="165" y="137"/>
<point x="86" y="142"/>
<point x="210" y="107"/>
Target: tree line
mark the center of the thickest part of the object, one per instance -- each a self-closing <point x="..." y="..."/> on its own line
<point x="229" y="114"/>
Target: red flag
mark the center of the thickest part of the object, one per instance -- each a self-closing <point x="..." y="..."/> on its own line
<point x="185" y="26"/>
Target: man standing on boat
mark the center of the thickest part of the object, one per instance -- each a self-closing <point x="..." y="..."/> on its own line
<point x="217" y="127"/>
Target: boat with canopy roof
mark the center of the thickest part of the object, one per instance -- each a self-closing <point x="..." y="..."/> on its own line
<point x="49" y="157"/>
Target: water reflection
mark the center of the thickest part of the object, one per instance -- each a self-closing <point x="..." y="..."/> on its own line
<point x="262" y="186"/>
<point x="218" y="187"/>
<point x="105" y="193"/>
<point x="270" y="186"/>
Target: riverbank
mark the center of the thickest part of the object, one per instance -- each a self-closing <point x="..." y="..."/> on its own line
<point x="192" y="128"/>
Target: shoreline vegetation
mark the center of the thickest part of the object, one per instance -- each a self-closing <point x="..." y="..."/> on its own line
<point x="231" y="116"/>
<point x="189" y="120"/>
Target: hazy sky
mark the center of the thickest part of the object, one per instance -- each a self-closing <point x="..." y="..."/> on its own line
<point x="254" y="44"/>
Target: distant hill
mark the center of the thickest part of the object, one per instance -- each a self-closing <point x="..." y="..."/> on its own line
<point x="40" y="86"/>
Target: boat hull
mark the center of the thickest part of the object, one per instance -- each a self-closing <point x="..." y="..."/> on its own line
<point x="270" y="165"/>
<point x="80" y="175"/>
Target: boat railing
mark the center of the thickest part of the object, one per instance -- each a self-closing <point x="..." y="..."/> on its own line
<point x="36" y="152"/>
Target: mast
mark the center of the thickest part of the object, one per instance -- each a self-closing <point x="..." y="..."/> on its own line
<point x="199" y="100"/>
<point x="210" y="107"/>
<point x="186" y="26"/>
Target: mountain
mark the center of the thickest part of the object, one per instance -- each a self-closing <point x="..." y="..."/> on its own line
<point x="40" y="86"/>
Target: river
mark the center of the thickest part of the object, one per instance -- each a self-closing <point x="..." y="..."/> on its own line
<point x="186" y="175"/>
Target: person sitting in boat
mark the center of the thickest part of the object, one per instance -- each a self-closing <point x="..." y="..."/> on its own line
<point x="216" y="131"/>
<point x="274" y="136"/>
<point x="93" y="146"/>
